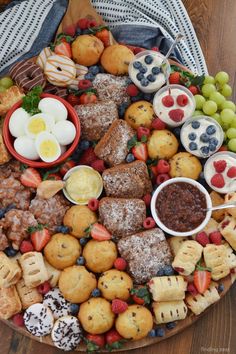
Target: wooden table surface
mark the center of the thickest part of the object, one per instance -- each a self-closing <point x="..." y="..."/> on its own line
<point x="214" y="22"/>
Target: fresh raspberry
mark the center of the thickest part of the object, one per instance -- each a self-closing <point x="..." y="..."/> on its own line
<point x="202" y="238"/>
<point x="83" y="23"/>
<point x="176" y="115"/>
<point x="168" y="101"/>
<point x="218" y="180"/>
<point x="98" y="165"/>
<point x="138" y="50"/>
<point x="191" y="288"/>
<point x="216" y="237"/>
<point x="18" y="320"/>
<point x="220" y="165"/>
<point x="147" y="199"/>
<point x="162" y="177"/>
<point x="156" y="49"/>
<point x="120" y="263"/>
<point x="132" y="90"/>
<point x="73" y="99"/>
<point x="174" y="78"/>
<point x="70" y="30"/>
<point x="182" y="100"/>
<point x="118" y="306"/>
<point x="158" y="124"/>
<point x="92" y="23"/>
<point x="88" y="157"/>
<point x="223" y="148"/>
<point x="84" y="84"/>
<point x="231" y="172"/>
<point x="44" y="288"/>
<point x="163" y="166"/>
<point x="149" y="223"/>
<point x="26" y="246"/>
<point x="142" y="131"/>
<point x="193" y="89"/>
<point x="93" y="204"/>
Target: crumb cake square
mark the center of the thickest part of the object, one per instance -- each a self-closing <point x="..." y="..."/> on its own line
<point x="110" y="87"/>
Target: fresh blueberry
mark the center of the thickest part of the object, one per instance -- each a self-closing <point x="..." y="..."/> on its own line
<point x="84" y="144"/>
<point x="122" y="108"/>
<point x="2" y="212"/>
<point x="101" y="69"/>
<point x="204" y="138"/>
<point x="143" y="69"/>
<point x="89" y="76"/>
<point x="76" y="155"/>
<point x="152" y="333"/>
<point x="192" y="136"/>
<point x="151" y="78"/>
<point x="211" y="130"/>
<point x="96" y="292"/>
<point x="144" y="82"/>
<point x="170" y="325"/>
<point x="10" y="252"/>
<point x="148" y="59"/>
<point x="160" y="332"/>
<point x="137" y="98"/>
<point x="205" y="150"/>
<point x="212" y="147"/>
<point x="78" y="32"/>
<point x="74" y="309"/>
<point x="83" y="241"/>
<point x="93" y="69"/>
<point x="80" y="261"/>
<point x="130" y="158"/>
<point x="195" y="124"/>
<point x="156" y="70"/>
<point x="160" y="272"/>
<point x="140" y="76"/>
<point x="192" y="146"/>
<point x="148" y="97"/>
<point x="137" y="65"/>
<point x="168" y="270"/>
<point x="213" y="141"/>
<point x="176" y="131"/>
<point x="221" y="288"/>
<point x="63" y="229"/>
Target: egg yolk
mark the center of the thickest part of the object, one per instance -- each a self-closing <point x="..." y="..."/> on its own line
<point x="48" y="148"/>
<point x="37" y="126"/>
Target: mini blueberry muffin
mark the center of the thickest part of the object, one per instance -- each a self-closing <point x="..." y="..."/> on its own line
<point x="115" y="284"/>
<point x="134" y="323"/>
<point x="140" y="114"/>
<point x="100" y="255"/>
<point x="76" y="284"/>
<point x="184" y="164"/>
<point x="116" y="58"/>
<point x="96" y="316"/>
<point x="79" y="218"/>
<point x="86" y="50"/>
<point x="62" y="250"/>
<point x="162" y="144"/>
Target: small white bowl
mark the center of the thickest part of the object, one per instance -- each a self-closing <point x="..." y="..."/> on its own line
<point x="77" y="168"/>
<point x="166" y="229"/>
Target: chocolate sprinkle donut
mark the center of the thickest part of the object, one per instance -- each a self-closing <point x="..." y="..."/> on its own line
<point x="27" y="75"/>
<point x="38" y="320"/>
<point x="66" y="333"/>
<point x="57" y="303"/>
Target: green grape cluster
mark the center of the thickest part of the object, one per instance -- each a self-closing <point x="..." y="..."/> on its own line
<point x="5" y="83"/>
<point x="213" y="102"/>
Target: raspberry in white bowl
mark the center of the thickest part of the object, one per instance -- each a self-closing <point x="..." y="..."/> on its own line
<point x="173" y="104"/>
<point x="220" y="172"/>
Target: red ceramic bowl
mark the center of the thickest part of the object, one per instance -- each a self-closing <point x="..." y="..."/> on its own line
<point x="9" y="139"/>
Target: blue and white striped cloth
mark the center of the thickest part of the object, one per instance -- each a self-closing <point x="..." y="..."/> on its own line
<point x="27" y="26"/>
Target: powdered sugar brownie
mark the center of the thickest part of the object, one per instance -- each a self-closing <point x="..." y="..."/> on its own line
<point x="110" y="87"/>
<point x="66" y="333"/>
<point x="57" y="303"/>
<point x="38" y="320"/>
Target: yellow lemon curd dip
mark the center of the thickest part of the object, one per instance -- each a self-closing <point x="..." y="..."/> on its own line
<point x="83" y="184"/>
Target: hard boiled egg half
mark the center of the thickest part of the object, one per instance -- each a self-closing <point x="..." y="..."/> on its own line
<point x="53" y="107"/>
<point x="39" y="123"/>
<point x="47" y="147"/>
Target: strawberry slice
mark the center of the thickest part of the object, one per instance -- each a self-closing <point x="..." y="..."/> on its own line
<point x="99" y="232"/>
<point x="30" y="178"/>
<point x="202" y="279"/>
<point x="63" y="48"/>
<point x="40" y="236"/>
<point x="104" y="36"/>
<point x="140" y="151"/>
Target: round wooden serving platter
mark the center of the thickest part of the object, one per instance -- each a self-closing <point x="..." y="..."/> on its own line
<point x="180" y="326"/>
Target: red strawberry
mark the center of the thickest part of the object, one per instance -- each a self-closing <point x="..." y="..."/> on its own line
<point x="158" y="124"/>
<point x="220" y="165"/>
<point x="54" y="177"/>
<point x="99" y="232"/>
<point x="168" y="101"/>
<point x="84" y="84"/>
<point x="30" y="178"/>
<point x="97" y="339"/>
<point x="87" y="97"/>
<point x="44" y="288"/>
<point x="26" y="246"/>
<point x="88" y="157"/>
<point x="149" y="223"/>
<point x="18" y="320"/>
<point x="191" y="288"/>
<point x="98" y="165"/>
<point x="132" y="90"/>
<point x="63" y="48"/>
<point x="182" y="100"/>
<point x="66" y="167"/>
<point x="118" y="306"/>
<point x="141" y="295"/>
<point x="231" y="172"/>
<point x="218" y="180"/>
<point x="83" y="23"/>
<point x="112" y="337"/>
<point x="163" y="166"/>
<point x="70" y="30"/>
<point x="39" y="237"/>
<point x="73" y="99"/>
<point x="156" y="49"/>
<point x="92" y="23"/>
<point x="176" y="115"/>
<point x="201" y="279"/>
<point x="162" y="177"/>
<point x="120" y="263"/>
<point x="104" y="36"/>
<point x="202" y="238"/>
<point x="142" y="131"/>
<point x="93" y="204"/>
<point x="174" y="78"/>
<point x="216" y="237"/>
<point x="147" y="199"/>
<point x="140" y="151"/>
<point x="138" y="300"/>
<point x="193" y="89"/>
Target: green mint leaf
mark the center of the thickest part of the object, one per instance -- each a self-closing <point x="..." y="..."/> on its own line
<point x="132" y="142"/>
